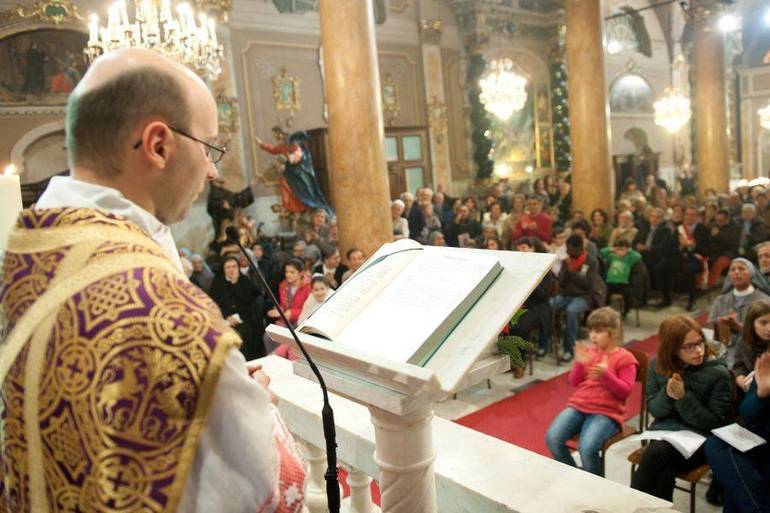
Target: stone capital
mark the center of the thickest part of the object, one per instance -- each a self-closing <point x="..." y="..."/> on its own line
<point x="703" y="13"/>
<point x="430" y="31"/>
<point x="217" y="9"/>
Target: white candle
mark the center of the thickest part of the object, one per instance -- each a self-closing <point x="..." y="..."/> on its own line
<point x="180" y="9"/>
<point x="203" y="30"/>
<point x="93" y="29"/>
<point x="213" y="33"/>
<point x="10" y="204"/>
<point x="123" y="13"/>
<point x="165" y="11"/>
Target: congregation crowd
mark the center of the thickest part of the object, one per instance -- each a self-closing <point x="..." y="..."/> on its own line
<point x="658" y="246"/>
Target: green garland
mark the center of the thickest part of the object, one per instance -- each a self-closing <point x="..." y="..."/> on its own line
<point x="561" y="140"/>
<point x="480" y="124"/>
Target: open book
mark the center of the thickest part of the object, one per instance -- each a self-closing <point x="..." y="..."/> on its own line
<point x="739" y="437"/>
<point x="686" y="442"/>
<point x="405" y="300"/>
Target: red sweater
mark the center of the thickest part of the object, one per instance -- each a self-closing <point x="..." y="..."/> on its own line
<point x="294" y="308"/>
<point x="542" y="232"/>
<point x="608" y="394"/>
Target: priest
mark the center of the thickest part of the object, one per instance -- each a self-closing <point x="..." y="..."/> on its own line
<point x="122" y="386"/>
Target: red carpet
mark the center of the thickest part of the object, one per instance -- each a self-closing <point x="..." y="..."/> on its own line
<point x="523" y="418"/>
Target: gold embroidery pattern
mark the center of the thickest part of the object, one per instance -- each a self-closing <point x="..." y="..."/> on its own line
<point x="25" y="277"/>
<point x="129" y="371"/>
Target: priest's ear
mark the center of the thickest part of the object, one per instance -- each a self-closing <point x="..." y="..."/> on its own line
<point x="156" y="143"/>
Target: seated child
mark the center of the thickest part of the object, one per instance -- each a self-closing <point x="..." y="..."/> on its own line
<point x="604" y="375"/>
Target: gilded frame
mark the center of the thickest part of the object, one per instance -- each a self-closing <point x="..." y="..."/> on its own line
<point x="286" y="92"/>
<point x="391" y="101"/>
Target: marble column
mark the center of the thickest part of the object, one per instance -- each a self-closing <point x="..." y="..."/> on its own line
<point x="592" y="176"/>
<point x="404" y="453"/>
<point x="712" y="161"/>
<point x="356" y="140"/>
<point x="430" y="35"/>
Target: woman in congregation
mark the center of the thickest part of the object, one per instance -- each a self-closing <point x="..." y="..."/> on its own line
<point x="688" y="389"/>
<point x="604" y="374"/>
<point x="754" y="343"/>
<point x="601" y="228"/>
<point x="745" y="476"/>
<point x="237" y="297"/>
<point x="293" y="291"/>
<point x="731" y="307"/>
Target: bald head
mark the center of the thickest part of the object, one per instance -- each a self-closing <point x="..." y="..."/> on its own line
<point x="146" y="126"/>
<point x="121" y="91"/>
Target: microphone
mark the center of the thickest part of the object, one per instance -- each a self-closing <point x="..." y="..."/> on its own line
<point x="327" y="415"/>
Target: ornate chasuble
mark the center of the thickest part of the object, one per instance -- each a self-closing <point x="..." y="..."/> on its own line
<point x="108" y="364"/>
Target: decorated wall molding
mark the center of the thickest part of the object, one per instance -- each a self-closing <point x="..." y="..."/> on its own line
<point x="49" y="12"/>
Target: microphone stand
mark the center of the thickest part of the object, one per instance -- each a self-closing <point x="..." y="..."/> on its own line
<point x="327" y="415"/>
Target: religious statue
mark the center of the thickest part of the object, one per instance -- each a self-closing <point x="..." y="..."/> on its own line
<point x="224" y="207"/>
<point x="299" y="187"/>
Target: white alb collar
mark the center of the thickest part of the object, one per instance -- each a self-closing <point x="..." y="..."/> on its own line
<point x="66" y="192"/>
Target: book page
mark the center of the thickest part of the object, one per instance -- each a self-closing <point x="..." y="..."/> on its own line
<point x="686" y="442"/>
<point x="739" y="437"/>
<point x="415" y="304"/>
<point x="361" y="288"/>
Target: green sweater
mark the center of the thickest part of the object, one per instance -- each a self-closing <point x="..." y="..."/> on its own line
<point x="619" y="268"/>
<point x="707" y="402"/>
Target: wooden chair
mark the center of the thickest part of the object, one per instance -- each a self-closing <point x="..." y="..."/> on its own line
<point x="723" y="334"/>
<point x="692" y="477"/>
<point x="626" y="431"/>
<point x="621" y="301"/>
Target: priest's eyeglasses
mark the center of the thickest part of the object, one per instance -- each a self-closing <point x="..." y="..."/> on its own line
<point x="213" y="153"/>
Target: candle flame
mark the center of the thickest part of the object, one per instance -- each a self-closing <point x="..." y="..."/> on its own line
<point x="10" y="170"/>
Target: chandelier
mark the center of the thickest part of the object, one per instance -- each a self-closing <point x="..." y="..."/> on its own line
<point x="764" y="117"/>
<point x="503" y="91"/>
<point x="177" y="36"/>
<point x="672" y="111"/>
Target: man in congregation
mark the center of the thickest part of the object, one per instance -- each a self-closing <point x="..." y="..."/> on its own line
<point x="763" y="258"/>
<point x="122" y="385"/>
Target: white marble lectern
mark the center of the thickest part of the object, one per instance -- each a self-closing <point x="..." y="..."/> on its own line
<point x="400" y="396"/>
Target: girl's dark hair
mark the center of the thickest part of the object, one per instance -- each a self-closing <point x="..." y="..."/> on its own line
<point x="603" y="214"/>
<point x="532" y="242"/>
<point x="756" y="310"/>
<point x="319" y="278"/>
<point x="295" y="263"/>
<point x="351" y="251"/>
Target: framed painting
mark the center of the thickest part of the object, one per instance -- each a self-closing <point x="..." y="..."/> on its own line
<point x="631" y="93"/>
<point x="41" y="67"/>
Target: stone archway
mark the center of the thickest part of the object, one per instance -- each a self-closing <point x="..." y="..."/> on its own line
<point x="40" y="153"/>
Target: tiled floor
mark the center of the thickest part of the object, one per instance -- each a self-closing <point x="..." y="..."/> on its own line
<point x="618" y="468"/>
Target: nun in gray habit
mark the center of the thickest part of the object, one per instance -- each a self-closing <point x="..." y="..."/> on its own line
<point x="743" y="286"/>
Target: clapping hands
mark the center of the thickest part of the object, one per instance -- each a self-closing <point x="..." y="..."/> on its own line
<point x="597" y="371"/>
<point x="581" y="352"/>
<point x="762" y="375"/>
<point x="675" y="387"/>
